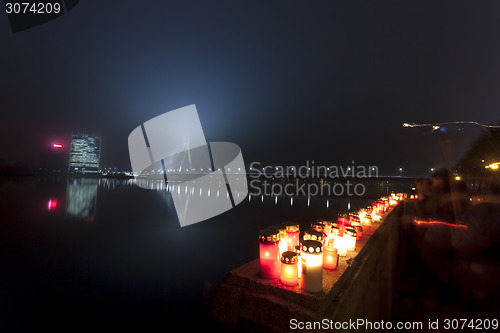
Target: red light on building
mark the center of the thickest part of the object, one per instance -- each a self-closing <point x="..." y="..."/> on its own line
<point x="52" y="205"/>
<point x="57" y="145"/>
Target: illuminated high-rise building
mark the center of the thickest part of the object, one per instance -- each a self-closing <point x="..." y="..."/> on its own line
<point x="85" y="153"/>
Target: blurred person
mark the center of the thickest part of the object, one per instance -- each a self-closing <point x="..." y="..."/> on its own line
<point x="424" y="190"/>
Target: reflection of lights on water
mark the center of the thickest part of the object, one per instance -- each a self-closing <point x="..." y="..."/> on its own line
<point x="262" y="198"/>
<point x="291" y="201"/>
<point x="349" y="206"/>
<point x="327" y="203"/>
<point x="308" y="201"/>
<point x="276" y="200"/>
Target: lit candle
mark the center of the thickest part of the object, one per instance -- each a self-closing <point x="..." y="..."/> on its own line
<point x="359" y="232"/>
<point x="367" y="221"/>
<point x="313" y="235"/>
<point x="269" y="253"/>
<point x="312" y="266"/>
<point x="327" y="230"/>
<point x="293" y="235"/>
<point x="283" y="238"/>
<point x="319" y="227"/>
<point x="343" y="219"/>
<point x="297" y="250"/>
<point x="330" y="257"/>
<point x="289" y="268"/>
<point x="354" y="219"/>
<point x="362" y="213"/>
<point x="393" y="199"/>
<point x="350" y="238"/>
<point x="385" y="204"/>
<point x="334" y="231"/>
<point x="340" y="244"/>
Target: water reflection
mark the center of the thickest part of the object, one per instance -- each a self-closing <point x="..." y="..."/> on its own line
<point x="81" y="195"/>
<point x="81" y="199"/>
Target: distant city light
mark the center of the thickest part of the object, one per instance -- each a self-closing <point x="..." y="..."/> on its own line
<point x="57" y="145"/>
<point x="437" y="126"/>
<point x="493" y="166"/>
<point x="52" y="204"/>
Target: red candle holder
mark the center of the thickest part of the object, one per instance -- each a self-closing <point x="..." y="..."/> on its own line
<point x="269" y="253"/>
<point x="359" y="232"/>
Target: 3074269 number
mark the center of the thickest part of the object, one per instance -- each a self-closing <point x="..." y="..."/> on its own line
<point x="32" y="8"/>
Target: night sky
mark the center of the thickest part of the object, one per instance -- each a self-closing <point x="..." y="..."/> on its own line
<point x="288" y="81"/>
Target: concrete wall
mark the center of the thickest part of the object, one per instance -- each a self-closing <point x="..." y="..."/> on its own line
<point x="364" y="290"/>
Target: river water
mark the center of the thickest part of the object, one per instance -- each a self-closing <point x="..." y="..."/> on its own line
<point x="75" y="252"/>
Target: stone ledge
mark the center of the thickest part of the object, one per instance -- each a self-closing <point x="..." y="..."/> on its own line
<point x="244" y="296"/>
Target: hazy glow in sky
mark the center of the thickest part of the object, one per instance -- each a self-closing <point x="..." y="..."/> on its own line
<point x="276" y="78"/>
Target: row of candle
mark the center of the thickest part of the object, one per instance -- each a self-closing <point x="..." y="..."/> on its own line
<point x="281" y="250"/>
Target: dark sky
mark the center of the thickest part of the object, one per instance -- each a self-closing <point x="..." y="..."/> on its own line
<point x="288" y="81"/>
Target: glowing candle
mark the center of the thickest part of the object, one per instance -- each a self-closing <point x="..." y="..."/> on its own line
<point x="312" y="266"/>
<point x="350" y="238"/>
<point x="319" y="227"/>
<point x="327" y="232"/>
<point x="327" y="229"/>
<point x="340" y="244"/>
<point x="359" y="232"/>
<point x="362" y="213"/>
<point x="335" y="231"/>
<point x="384" y="202"/>
<point x="283" y="238"/>
<point x="297" y="250"/>
<point x="289" y="268"/>
<point x="354" y="219"/>
<point x="269" y="253"/>
<point x="367" y="221"/>
<point x="313" y="235"/>
<point x="343" y="219"/>
<point x="293" y="235"/>
<point x="330" y="257"/>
